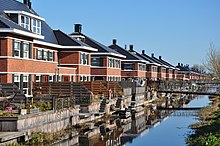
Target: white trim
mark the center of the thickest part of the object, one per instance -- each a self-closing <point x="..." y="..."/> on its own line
<point x="27" y="59"/>
<point x="21" y="32"/>
<point x="102" y="67"/>
<point x="66" y="68"/>
<point x="77" y="36"/>
<point x="24" y="13"/>
<point x="75" y="64"/>
<point x="135" y="61"/>
<point x="64" y="47"/>
<point x="33" y="73"/>
<point x="113" y="54"/>
<point x="135" y="70"/>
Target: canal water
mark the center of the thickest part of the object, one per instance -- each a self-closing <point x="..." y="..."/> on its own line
<point x="147" y="127"/>
<point x="173" y="129"/>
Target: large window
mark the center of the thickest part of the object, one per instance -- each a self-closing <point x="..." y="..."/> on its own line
<point x="141" y="67"/>
<point x="97" y="61"/>
<point x="26" y="50"/>
<point x="42" y="54"/>
<point x="25" y="22"/>
<point x="163" y="70"/>
<point x="25" y="84"/>
<point x="154" y="69"/>
<point x="17" y="48"/>
<point x="113" y="63"/>
<point x="17" y="80"/>
<point x="84" y="58"/>
<point x="36" y="26"/>
<point x="29" y="23"/>
<point x="128" y="66"/>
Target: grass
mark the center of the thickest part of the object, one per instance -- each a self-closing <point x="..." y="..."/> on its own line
<point x="207" y="131"/>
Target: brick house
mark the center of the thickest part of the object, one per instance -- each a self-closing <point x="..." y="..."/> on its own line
<point x="133" y="66"/>
<point x="106" y="63"/>
<point x="30" y="51"/>
<point x="152" y="67"/>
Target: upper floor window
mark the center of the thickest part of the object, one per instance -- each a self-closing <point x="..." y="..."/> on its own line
<point x="163" y="70"/>
<point x="84" y="58"/>
<point x="17" y="48"/>
<point x="43" y="54"/>
<point x="141" y="67"/>
<point x="114" y="63"/>
<point x="36" y="26"/>
<point x="29" y="23"/>
<point x="128" y="66"/>
<point x="154" y="69"/>
<point x="97" y="61"/>
<point x="25" y="22"/>
<point x="26" y="50"/>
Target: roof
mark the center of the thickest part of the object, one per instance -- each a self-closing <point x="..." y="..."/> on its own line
<point x="14" y="5"/>
<point x="129" y="55"/>
<point x="5" y="22"/>
<point x="148" y="58"/>
<point x="183" y="68"/>
<point x="102" y="49"/>
<point x="166" y="63"/>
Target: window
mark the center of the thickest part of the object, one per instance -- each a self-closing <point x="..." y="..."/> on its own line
<point x="84" y="58"/>
<point x="50" y="56"/>
<point x="128" y="66"/>
<point x="97" y="61"/>
<point x="25" y="22"/>
<point x="25" y="50"/>
<point x="141" y="67"/>
<point x="39" y="54"/>
<point x="50" y="78"/>
<point x="45" y="55"/>
<point x="154" y="69"/>
<point x="25" y="84"/>
<point x="17" y="80"/>
<point x="36" y="26"/>
<point x="163" y="70"/>
<point x="37" y="78"/>
<point x="17" y="48"/>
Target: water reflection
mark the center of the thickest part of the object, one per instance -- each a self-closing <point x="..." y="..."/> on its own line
<point x="146" y="126"/>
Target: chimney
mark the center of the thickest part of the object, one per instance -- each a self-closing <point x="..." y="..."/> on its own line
<point x="143" y="51"/>
<point x="25" y="2"/>
<point x="178" y="64"/>
<point x="78" y="28"/>
<point x="125" y="47"/>
<point x="29" y="5"/>
<point x="160" y="57"/>
<point x="152" y="55"/>
<point x="114" y="41"/>
<point x="181" y="64"/>
<point x="131" y="48"/>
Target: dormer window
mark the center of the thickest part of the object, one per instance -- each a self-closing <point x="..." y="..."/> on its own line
<point x="36" y="26"/>
<point x="29" y="23"/>
<point x="25" y="22"/>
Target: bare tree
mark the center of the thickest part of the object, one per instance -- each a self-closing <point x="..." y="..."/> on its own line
<point x="212" y="62"/>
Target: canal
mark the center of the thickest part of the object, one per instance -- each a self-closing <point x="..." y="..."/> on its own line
<point x="173" y="129"/>
<point x="146" y="127"/>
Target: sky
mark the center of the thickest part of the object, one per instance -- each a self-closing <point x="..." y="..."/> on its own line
<point x="178" y="30"/>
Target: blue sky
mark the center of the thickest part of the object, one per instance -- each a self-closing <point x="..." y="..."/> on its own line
<point x="177" y="30"/>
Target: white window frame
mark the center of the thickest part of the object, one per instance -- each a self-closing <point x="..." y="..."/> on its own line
<point x="25" y="80"/>
<point x="17" y="49"/>
<point x="26" y="51"/>
<point x="39" y="55"/>
<point x="50" y="78"/>
<point x="36" y="28"/>
<point x="25" y="24"/>
<point x="38" y="80"/>
<point x="51" y="56"/>
<point x="45" y="55"/>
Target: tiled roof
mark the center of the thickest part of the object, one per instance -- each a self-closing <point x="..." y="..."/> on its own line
<point x="129" y="55"/>
<point x="14" y="5"/>
<point x="7" y="23"/>
<point x="64" y="39"/>
<point x="93" y="43"/>
<point x="148" y="58"/>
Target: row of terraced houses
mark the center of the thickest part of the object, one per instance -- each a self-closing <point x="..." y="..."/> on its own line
<point x="31" y="51"/>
